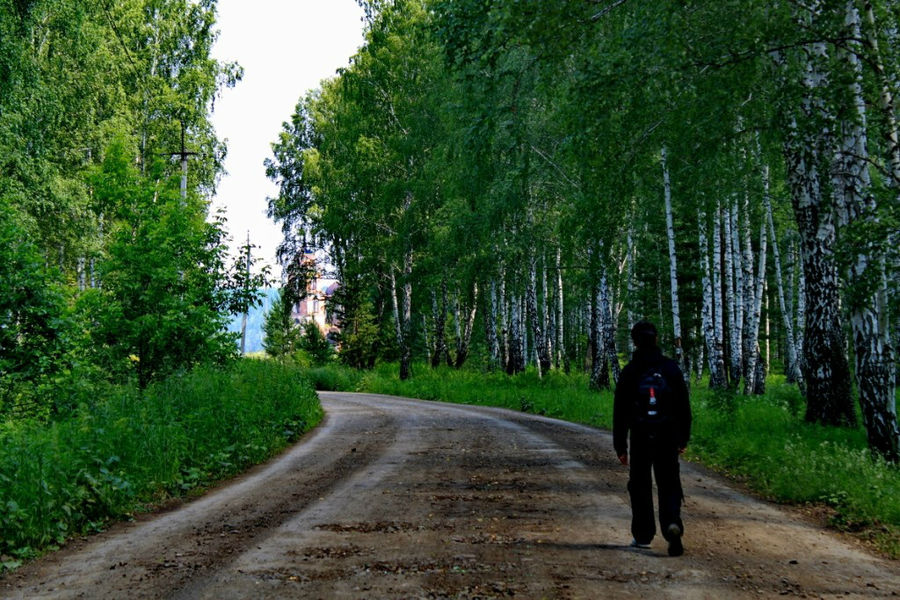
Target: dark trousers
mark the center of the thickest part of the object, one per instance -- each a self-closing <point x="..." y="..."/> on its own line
<point x="664" y="464"/>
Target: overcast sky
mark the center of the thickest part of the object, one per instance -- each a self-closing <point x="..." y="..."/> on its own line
<point x="286" y="47"/>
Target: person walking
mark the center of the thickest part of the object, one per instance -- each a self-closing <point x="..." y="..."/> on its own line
<point x="651" y="403"/>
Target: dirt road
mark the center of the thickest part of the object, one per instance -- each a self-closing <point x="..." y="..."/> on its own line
<point x="393" y="498"/>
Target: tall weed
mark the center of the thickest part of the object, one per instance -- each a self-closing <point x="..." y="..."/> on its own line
<point x="125" y="449"/>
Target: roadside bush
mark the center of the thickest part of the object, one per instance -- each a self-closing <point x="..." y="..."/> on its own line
<point x="314" y="344"/>
<point x="334" y="378"/>
<point x="128" y="449"/>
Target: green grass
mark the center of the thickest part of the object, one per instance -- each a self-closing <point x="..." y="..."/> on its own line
<point x="124" y="450"/>
<point x="762" y="442"/>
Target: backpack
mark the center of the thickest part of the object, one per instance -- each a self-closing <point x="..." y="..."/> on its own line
<point x="652" y="402"/>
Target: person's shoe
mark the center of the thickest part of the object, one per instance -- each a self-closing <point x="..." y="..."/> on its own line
<point x="637" y="544"/>
<point x="676" y="548"/>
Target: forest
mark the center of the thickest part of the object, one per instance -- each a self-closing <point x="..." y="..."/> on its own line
<point x="503" y="188"/>
<point x="110" y="266"/>
<point x="516" y="183"/>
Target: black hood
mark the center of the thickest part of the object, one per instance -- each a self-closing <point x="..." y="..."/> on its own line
<point x="647" y="356"/>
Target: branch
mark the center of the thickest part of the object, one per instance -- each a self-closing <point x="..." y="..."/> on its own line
<point x="737" y="57"/>
<point x="607" y="10"/>
<point x="540" y="153"/>
<point x="888" y="174"/>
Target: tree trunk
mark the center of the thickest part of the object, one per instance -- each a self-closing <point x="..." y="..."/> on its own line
<point x="463" y="342"/>
<point x="406" y="316"/>
<point x="516" y="343"/>
<point x="825" y="368"/>
<point x="490" y="327"/>
<point x="609" y="327"/>
<point x="826" y="371"/>
<point x="632" y="276"/>
<point x="599" y="367"/>
<point x="800" y="313"/>
<point x="439" y="314"/>
<point x="792" y="364"/>
<point x="561" y="354"/>
<point x="751" y="334"/>
<point x="710" y="316"/>
<point x="537" y="329"/>
<point x="457" y="325"/>
<point x="749" y="292"/>
<point x="673" y="272"/>
<point x="859" y="218"/>
<point x="886" y="98"/>
<point x="425" y="336"/>
<point x="503" y="321"/>
<point x="718" y="374"/>
<point x="699" y="358"/>
<point x="731" y="299"/>
<point x="546" y="353"/>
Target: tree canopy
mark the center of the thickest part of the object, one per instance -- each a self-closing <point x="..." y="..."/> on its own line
<point x="110" y="264"/>
<point x="542" y="165"/>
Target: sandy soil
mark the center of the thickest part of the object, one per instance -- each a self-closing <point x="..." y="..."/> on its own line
<point x="394" y="498"/>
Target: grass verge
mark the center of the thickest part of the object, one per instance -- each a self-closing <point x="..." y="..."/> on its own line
<point x="124" y="450"/>
<point x="761" y="442"/>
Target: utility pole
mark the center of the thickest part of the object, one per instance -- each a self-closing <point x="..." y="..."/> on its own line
<point x="246" y="310"/>
<point x="184" y="154"/>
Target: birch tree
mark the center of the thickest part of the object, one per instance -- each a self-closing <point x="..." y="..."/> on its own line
<point x="792" y="363"/>
<point x="673" y="270"/>
<point x="858" y="216"/>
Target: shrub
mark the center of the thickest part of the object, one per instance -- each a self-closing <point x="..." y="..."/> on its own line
<point x="126" y="448"/>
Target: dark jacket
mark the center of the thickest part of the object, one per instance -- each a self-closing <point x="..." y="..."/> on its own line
<point x="679" y="427"/>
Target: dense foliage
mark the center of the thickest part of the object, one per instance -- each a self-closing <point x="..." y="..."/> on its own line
<point x="121" y="449"/>
<point x="521" y="181"/>
<point x="111" y="267"/>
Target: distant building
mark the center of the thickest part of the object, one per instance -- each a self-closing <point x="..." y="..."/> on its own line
<point x="314" y="306"/>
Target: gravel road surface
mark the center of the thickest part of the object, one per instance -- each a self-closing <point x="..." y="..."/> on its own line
<point x="397" y="498"/>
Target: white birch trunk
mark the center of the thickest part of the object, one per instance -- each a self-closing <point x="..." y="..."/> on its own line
<point x="464" y="338"/>
<point x="731" y="298"/>
<point x="753" y="321"/>
<point x="768" y="353"/>
<point x="561" y="355"/>
<point x="749" y="293"/>
<point x="718" y="376"/>
<point x="395" y="309"/>
<point x="547" y="347"/>
<point x="737" y="336"/>
<point x="801" y="318"/>
<point x="699" y="357"/>
<point x="609" y="327"/>
<point x="826" y="371"/>
<point x="527" y="340"/>
<point x="439" y="316"/>
<point x="711" y="333"/>
<point x="673" y="270"/>
<point x="490" y="327"/>
<point x="503" y="321"/>
<point x="632" y="276"/>
<point x="599" y="366"/>
<point x="792" y="364"/>
<point x="426" y="339"/>
<point x="406" y="313"/>
<point x="886" y="98"/>
<point x="516" y="343"/>
<point x="873" y="363"/>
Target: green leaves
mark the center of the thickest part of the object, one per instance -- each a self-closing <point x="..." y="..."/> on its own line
<point x="33" y="321"/>
<point x="125" y="449"/>
<point x="166" y="293"/>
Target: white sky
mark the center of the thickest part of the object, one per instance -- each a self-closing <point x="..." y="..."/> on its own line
<point x="286" y="47"/>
